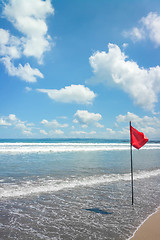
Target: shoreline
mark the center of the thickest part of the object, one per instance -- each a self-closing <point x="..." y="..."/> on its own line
<point x="149" y="228"/>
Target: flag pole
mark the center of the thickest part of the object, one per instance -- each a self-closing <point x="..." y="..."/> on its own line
<point x="131" y="163"/>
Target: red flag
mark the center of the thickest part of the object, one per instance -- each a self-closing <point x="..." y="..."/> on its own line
<point x="138" y="139"/>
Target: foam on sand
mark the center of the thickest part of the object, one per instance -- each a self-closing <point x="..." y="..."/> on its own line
<point x="149" y="228"/>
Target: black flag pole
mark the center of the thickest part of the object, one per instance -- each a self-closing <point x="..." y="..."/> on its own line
<point x="131" y="163"/>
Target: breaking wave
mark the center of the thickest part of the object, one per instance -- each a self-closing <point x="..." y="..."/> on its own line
<point x="22" y="148"/>
<point x="25" y="188"/>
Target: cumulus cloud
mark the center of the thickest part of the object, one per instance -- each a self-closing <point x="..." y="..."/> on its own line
<point x="55" y="133"/>
<point x="148" y="125"/>
<point x="12" y="117"/>
<point x="110" y="131"/>
<point x="25" y="72"/>
<point x="43" y="132"/>
<point x="10" y="46"/>
<point x="136" y="34"/>
<point x="29" y="17"/>
<point x="85" y="118"/>
<point x="53" y="124"/>
<point x="28" y="89"/>
<point x="3" y="122"/>
<point x="113" y="68"/>
<point x="124" y="133"/>
<point x="152" y="25"/>
<point x="74" y="93"/>
<point x="59" y="132"/>
<point x="98" y="125"/>
<point x="149" y="27"/>
<point x="13" y="121"/>
<point x="138" y="121"/>
<point x="4" y="37"/>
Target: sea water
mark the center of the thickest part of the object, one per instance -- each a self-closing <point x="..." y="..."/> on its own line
<point x="75" y="189"/>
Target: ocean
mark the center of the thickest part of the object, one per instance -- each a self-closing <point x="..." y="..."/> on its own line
<point x="75" y="188"/>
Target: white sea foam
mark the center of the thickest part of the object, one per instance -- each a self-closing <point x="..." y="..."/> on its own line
<point x="26" y="188"/>
<point x="19" y="148"/>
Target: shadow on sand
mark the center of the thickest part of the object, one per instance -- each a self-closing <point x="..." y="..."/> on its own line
<point x="97" y="210"/>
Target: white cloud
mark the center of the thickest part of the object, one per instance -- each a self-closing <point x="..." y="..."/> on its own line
<point x="149" y="125"/>
<point x="85" y="118"/>
<point x="27" y="132"/>
<point x="21" y="125"/>
<point x="4" y="37"/>
<point x="74" y="93"/>
<point x="13" y="121"/>
<point x="9" y="120"/>
<point x="110" y="131"/>
<point x="28" y="89"/>
<point x="136" y="34"/>
<point x="29" y="17"/>
<point x="125" y="45"/>
<point x="128" y="117"/>
<point x="152" y="25"/>
<point x="12" y="117"/>
<point x="52" y="133"/>
<point x="92" y="132"/>
<point x="112" y="68"/>
<point x="55" y="133"/>
<point x="138" y="121"/>
<point x="59" y="132"/>
<point x="53" y="124"/>
<point x="26" y="73"/>
<point x="10" y="46"/>
<point x="124" y="133"/>
<point x="98" y="125"/>
<point x="149" y="27"/>
<point x="3" y="122"/>
<point x="43" y="132"/>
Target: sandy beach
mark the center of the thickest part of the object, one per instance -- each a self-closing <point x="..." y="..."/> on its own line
<point x="150" y="229"/>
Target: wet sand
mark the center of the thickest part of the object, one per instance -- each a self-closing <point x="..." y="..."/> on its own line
<point x="150" y="229"/>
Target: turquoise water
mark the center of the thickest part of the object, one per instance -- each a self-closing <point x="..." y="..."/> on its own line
<point x="75" y="188"/>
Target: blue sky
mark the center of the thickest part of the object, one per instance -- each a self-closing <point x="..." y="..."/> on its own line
<point x="79" y="68"/>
